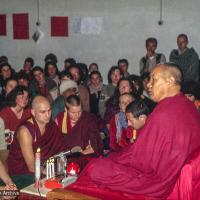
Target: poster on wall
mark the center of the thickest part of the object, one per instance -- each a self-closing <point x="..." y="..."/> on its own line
<point x="59" y="26"/>
<point x="3" y="25"/>
<point x="20" y="26"/>
<point x="75" y="25"/>
<point x="91" y="25"/>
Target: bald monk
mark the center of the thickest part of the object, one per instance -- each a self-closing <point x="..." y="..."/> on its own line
<point x="37" y="132"/>
<point x="171" y="134"/>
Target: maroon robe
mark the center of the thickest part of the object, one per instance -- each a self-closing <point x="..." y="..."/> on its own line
<point x="11" y="121"/>
<point x="152" y="164"/>
<point x="51" y="143"/>
<point x="84" y="132"/>
<point x="123" y="142"/>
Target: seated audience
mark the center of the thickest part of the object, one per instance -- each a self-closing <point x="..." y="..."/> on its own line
<point x="136" y="114"/>
<point x="5" y="72"/>
<point x="65" y="75"/>
<point x="93" y="67"/>
<point x="186" y="58"/>
<point x="153" y="163"/>
<point x="51" y="58"/>
<point x="151" y="58"/>
<point x="84" y="73"/>
<point x="23" y="79"/>
<point x="145" y="94"/>
<point x="8" y="86"/>
<point x="95" y="87"/>
<point x="137" y="83"/>
<point x="3" y="59"/>
<point x="67" y="88"/>
<point x="191" y="90"/>
<point x="69" y="62"/>
<point x="41" y="85"/>
<point x="80" y="127"/>
<point x="118" y="124"/>
<point x="114" y="75"/>
<point x="112" y="105"/>
<point x="15" y="112"/>
<point x="123" y="66"/>
<point x="51" y="72"/>
<point x="27" y="67"/>
<point x="36" y="132"/>
<point x="77" y="75"/>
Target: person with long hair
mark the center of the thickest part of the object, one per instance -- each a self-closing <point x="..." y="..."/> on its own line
<point x="114" y="75"/>
<point x="95" y="87"/>
<point x="51" y="72"/>
<point x="8" y="86"/>
<point x="112" y="105"/>
<point x="16" y="111"/>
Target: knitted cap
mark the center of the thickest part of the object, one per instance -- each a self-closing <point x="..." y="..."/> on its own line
<point x="67" y="84"/>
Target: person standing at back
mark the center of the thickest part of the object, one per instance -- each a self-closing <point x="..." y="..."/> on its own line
<point x="151" y="58"/>
<point x="186" y="58"/>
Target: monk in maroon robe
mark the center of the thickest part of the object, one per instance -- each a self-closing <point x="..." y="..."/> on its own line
<point x="171" y="134"/>
<point x="81" y="129"/>
<point x="36" y="132"/>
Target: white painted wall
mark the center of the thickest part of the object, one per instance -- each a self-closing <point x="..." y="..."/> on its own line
<point x="126" y="25"/>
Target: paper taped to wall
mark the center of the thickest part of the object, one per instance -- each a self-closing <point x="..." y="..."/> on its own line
<point x="91" y="25"/>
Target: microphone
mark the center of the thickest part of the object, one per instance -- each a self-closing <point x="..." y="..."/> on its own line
<point x="75" y="149"/>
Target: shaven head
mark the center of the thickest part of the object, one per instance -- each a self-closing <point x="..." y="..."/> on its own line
<point x="165" y="80"/>
<point x="74" y="109"/>
<point x="39" y="100"/>
<point x="72" y="100"/>
<point x="41" y="110"/>
<point x="172" y="70"/>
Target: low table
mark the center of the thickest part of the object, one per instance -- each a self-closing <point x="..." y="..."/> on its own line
<point x="44" y="193"/>
<point x="31" y="192"/>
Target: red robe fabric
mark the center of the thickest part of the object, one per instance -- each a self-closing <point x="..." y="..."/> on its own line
<point x="11" y="122"/>
<point x="112" y="133"/>
<point x="152" y="164"/>
<point x="85" y="132"/>
<point x="10" y="119"/>
<point x="51" y="143"/>
<point x="187" y="186"/>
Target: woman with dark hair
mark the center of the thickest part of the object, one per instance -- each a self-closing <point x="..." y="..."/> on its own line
<point x="51" y="71"/>
<point x="84" y="69"/>
<point x="93" y="67"/>
<point x="5" y="72"/>
<point x="42" y="85"/>
<point x="77" y="75"/>
<point x="112" y="105"/>
<point x="95" y="87"/>
<point x="16" y="110"/>
<point x="114" y="76"/>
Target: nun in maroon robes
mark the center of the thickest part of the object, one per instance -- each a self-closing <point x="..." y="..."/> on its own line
<point x="80" y="129"/>
<point x="171" y="134"/>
